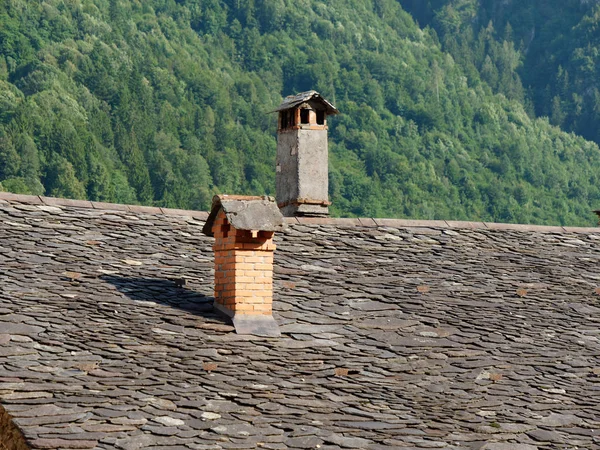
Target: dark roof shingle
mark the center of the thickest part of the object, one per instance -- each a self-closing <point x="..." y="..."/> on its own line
<point x="392" y="336"/>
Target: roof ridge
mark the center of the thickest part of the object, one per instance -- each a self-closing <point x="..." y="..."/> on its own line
<point x="7" y="197"/>
<point x="88" y="204"/>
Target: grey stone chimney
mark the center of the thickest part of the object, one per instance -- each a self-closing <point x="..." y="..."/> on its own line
<point x="302" y="158"/>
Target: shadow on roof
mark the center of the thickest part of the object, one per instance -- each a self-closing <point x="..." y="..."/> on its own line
<point x="169" y="292"/>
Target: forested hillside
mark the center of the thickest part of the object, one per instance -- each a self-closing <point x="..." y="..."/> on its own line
<point x="545" y="54"/>
<point x="163" y="102"/>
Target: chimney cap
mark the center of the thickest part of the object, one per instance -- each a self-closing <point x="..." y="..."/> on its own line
<point x="291" y="101"/>
<point x="246" y="212"/>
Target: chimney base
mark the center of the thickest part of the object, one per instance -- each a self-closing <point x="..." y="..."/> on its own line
<point x="256" y="325"/>
<point x="305" y="207"/>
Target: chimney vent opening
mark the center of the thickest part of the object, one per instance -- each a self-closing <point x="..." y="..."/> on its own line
<point x="304" y="116"/>
<point x="320" y="117"/>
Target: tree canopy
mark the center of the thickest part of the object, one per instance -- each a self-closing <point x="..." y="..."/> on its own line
<point x="164" y="102"/>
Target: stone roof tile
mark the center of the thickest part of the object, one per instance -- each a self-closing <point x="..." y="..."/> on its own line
<point x="291" y="101"/>
<point x="392" y="336"/>
<point x="246" y="213"/>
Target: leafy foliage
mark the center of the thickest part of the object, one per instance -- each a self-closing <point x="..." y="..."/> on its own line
<point x="549" y="47"/>
<point x="164" y="102"/>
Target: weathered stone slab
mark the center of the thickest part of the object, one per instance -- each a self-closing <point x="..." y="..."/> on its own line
<point x="20" y="329"/>
<point x="347" y="441"/>
<point x="508" y="446"/>
<point x="246" y="324"/>
<point x="63" y="443"/>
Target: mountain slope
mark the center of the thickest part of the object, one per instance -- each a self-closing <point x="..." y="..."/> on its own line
<point x="542" y="52"/>
<point x="165" y="102"/>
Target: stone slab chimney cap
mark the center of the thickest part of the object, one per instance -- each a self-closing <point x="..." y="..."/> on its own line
<point x="291" y="101"/>
<point x="246" y="213"/>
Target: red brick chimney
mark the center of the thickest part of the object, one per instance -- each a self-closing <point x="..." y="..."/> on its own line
<point x="243" y="228"/>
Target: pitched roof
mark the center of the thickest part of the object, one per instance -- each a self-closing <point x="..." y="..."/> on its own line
<point x="291" y="101"/>
<point x="395" y="334"/>
<point x="246" y="213"/>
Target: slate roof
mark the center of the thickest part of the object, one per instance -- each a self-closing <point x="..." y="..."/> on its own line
<point x="291" y="101"/>
<point x="396" y="334"/>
